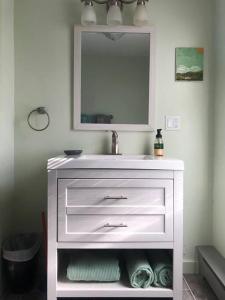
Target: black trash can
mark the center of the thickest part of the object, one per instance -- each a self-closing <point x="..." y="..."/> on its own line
<point x="20" y="257"/>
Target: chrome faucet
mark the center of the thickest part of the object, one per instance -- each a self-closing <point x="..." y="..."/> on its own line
<point x="115" y="143"/>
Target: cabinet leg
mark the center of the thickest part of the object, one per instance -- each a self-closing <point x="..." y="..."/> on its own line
<point x="177" y="274"/>
<point x="52" y="274"/>
<point x="52" y="234"/>
<point x="178" y="295"/>
<point x="178" y="237"/>
<point x="49" y="297"/>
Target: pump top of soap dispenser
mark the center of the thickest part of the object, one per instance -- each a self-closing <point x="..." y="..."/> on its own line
<point x="159" y="134"/>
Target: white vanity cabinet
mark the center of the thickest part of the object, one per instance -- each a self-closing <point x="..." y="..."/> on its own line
<point x="131" y="202"/>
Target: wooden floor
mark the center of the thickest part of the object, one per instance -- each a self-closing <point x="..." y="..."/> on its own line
<point x="195" y="288"/>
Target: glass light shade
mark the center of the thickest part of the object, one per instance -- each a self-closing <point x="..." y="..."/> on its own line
<point x="88" y="16"/>
<point x="140" y="15"/>
<point x="114" y="16"/>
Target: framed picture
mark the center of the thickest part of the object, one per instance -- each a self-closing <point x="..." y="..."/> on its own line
<point x="189" y="64"/>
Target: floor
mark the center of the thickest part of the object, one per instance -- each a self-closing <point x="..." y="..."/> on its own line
<point x="195" y="288"/>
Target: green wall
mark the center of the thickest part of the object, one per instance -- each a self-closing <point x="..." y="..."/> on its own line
<point x="219" y="129"/>
<point x="6" y="118"/>
<point x="43" y="68"/>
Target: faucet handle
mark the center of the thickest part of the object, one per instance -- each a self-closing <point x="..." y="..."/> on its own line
<point x="114" y="133"/>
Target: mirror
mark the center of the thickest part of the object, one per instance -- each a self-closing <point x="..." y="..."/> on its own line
<point x="113" y="78"/>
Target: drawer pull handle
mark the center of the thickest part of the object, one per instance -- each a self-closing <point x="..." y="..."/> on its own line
<point x="115" y="198"/>
<point x="114" y="225"/>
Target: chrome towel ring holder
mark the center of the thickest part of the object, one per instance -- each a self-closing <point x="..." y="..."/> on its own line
<point x="42" y="111"/>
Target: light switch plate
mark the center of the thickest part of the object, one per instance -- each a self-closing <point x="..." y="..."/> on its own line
<point x="172" y="122"/>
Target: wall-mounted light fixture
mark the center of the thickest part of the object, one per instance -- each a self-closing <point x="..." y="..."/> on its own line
<point x="114" y="12"/>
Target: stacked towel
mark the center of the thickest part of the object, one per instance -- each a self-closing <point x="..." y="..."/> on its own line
<point x="138" y="268"/>
<point x="94" y="266"/>
<point x="144" y="270"/>
<point x="162" y="268"/>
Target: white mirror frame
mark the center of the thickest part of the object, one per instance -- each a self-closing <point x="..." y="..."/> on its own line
<point x="77" y="80"/>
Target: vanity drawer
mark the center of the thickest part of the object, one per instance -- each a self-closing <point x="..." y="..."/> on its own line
<point x="101" y="210"/>
<point x="113" y="192"/>
<point x="114" y="228"/>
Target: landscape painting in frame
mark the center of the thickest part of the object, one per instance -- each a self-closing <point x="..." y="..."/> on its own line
<point x="189" y="64"/>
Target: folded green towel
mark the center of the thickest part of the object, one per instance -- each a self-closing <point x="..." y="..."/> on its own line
<point x="93" y="266"/>
<point x="138" y="268"/>
<point x="162" y="268"/>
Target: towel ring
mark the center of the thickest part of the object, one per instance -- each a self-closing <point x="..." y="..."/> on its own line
<point x="42" y="111"/>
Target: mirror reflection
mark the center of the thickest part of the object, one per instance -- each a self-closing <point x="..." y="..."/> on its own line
<point x="115" y="77"/>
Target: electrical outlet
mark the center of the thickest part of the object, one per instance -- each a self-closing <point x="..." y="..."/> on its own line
<point x="172" y="122"/>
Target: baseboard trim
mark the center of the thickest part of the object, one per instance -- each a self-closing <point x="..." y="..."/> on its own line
<point x="190" y="266"/>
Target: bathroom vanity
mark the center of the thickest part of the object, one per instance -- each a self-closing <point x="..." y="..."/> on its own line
<point x="113" y="202"/>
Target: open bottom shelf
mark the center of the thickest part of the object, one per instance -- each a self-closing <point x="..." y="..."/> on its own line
<point x="66" y="288"/>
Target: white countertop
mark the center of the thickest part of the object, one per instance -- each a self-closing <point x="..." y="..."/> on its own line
<point x="95" y="161"/>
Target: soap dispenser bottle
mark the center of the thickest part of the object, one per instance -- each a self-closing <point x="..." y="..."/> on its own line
<point x="158" y="145"/>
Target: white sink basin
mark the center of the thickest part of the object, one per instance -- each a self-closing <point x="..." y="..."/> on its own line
<point x="100" y="161"/>
<point x="114" y="157"/>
